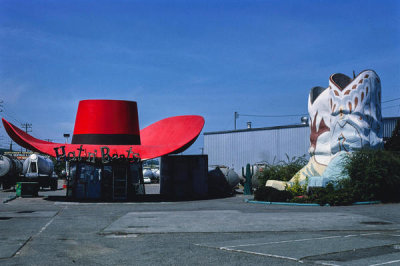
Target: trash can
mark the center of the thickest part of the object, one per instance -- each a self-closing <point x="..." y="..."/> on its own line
<point x="27" y="189"/>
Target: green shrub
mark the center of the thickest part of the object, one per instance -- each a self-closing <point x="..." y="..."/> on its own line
<point x="334" y="196"/>
<point x="296" y="189"/>
<point x="374" y="175"/>
<point x="282" y="171"/>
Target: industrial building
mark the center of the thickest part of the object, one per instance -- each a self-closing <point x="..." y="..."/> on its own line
<point x="236" y="148"/>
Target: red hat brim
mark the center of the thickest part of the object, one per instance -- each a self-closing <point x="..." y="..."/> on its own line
<point x="170" y="135"/>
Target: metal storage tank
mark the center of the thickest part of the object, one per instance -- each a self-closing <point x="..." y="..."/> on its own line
<point x="37" y="165"/>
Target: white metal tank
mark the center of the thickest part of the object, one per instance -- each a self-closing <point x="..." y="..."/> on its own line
<point x="232" y="177"/>
<point x="9" y="166"/>
<point x="5" y="165"/>
<point x="18" y="165"/>
<point x="156" y="173"/>
<point x="147" y="173"/>
<point x="37" y="165"/>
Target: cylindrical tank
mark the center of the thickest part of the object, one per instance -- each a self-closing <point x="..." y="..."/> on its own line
<point x="233" y="178"/>
<point x="147" y="173"/>
<point x="156" y="173"/>
<point x="37" y="164"/>
<point x="18" y="165"/>
<point x="5" y="165"/>
<point x="9" y="166"/>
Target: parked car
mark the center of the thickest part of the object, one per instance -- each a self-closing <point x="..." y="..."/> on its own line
<point x="146" y="180"/>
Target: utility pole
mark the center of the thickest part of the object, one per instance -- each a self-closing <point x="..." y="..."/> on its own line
<point x="28" y="128"/>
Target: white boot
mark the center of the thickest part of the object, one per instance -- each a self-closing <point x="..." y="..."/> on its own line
<point x="320" y="149"/>
<point x="356" y="112"/>
<point x="356" y="120"/>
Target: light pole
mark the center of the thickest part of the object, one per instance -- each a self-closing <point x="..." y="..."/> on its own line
<point x="66" y="136"/>
<point x="236" y="116"/>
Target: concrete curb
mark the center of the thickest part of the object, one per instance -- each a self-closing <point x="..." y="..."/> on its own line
<point x="306" y="204"/>
<point x="367" y="202"/>
<point x="281" y="203"/>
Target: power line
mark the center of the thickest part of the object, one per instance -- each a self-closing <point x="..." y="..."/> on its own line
<point x="27" y="126"/>
<point x="391" y="106"/>
<point x="237" y="115"/>
<point x="7" y="114"/>
<point x="12" y="118"/>
<point x="273" y="115"/>
<point x="392" y="100"/>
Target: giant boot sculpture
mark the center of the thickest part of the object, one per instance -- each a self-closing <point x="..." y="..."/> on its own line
<point x="320" y="150"/>
<point x="356" y="121"/>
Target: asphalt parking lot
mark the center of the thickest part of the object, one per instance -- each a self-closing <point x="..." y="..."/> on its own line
<point x="228" y="231"/>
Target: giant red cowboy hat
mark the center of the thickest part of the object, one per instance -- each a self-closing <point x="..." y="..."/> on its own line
<point x="115" y="124"/>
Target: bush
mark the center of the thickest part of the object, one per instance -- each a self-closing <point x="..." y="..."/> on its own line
<point x="374" y="175"/>
<point x="334" y="196"/>
<point x="296" y="189"/>
<point x="282" y="171"/>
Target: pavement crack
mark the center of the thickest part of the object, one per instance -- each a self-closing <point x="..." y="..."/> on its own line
<point x="37" y="234"/>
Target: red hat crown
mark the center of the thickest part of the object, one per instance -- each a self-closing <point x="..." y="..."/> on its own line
<point x="107" y="122"/>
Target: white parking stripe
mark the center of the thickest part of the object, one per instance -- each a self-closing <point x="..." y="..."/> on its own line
<point x="234" y="248"/>
<point x="299" y="240"/>
<point x="261" y="254"/>
<point x="370" y="234"/>
<point x="284" y="241"/>
<point x="384" y="263"/>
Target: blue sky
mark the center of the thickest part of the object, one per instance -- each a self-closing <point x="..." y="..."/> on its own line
<point x="210" y="58"/>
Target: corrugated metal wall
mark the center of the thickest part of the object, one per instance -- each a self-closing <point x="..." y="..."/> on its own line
<point x="389" y="123"/>
<point x="237" y="148"/>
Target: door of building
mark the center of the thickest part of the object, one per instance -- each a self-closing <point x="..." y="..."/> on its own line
<point x="120" y="182"/>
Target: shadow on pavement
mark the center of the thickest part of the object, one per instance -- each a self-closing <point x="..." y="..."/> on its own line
<point x="141" y="198"/>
